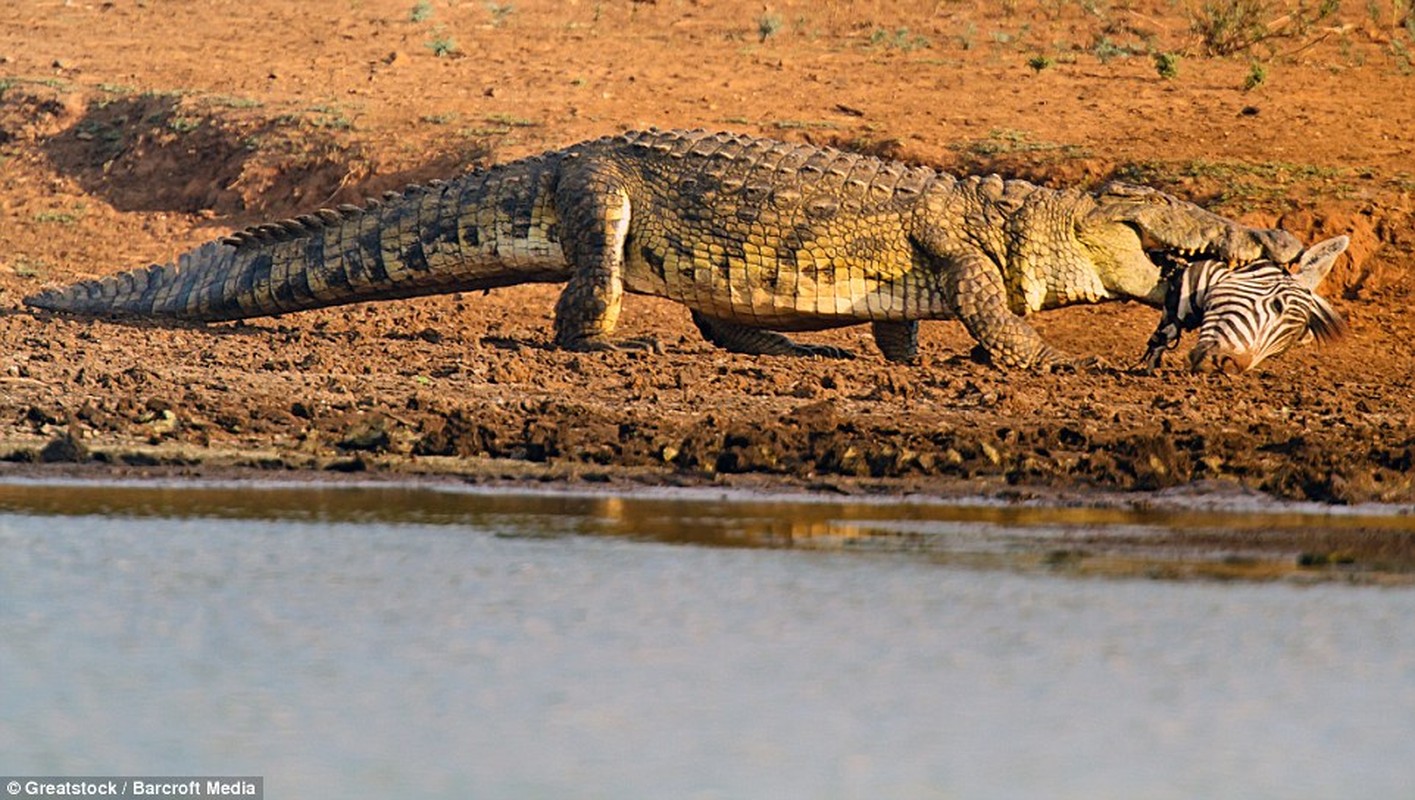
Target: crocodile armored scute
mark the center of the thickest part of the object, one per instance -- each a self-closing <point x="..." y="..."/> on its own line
<point x="755" y="236"/>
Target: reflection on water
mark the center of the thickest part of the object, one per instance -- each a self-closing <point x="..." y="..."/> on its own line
<point x="379" y="642"/>
<point x="1155" y="541"/>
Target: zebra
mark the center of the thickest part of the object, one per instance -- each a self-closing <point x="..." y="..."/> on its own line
<point x="1249" y="313"/>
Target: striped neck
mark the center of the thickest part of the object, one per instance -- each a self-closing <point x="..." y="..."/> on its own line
<point x="1186" y="294"/>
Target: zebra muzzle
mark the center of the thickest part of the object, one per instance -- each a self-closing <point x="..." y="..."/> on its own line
<point x="1209" y="358"/>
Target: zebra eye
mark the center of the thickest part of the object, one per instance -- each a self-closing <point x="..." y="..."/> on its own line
<point x="1276" y="305"/>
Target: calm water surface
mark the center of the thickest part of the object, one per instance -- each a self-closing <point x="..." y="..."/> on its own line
<point x="393" y="643"/>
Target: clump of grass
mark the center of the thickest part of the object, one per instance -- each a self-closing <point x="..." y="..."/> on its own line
<point x="421" y="11"/>
<point x="1234" y="26"/>
<point x="59" y="217"/>
<point x="1229" y="26"/>
<point x="1240" y="185"/>
<point x="1039" y="62"/>
<point x="500" y="12"/>
<point x="510" y="121"/>
<point x="26" y="267"/>
<point x="804" y="125"/>
<point x="1007" y="141"/>
<point x="327" y="117"/>
<point x="231" y="101"/>
<point x="1167" y="65"/>
<point x="1404" y="59"/>
<point x="183" y="124"/>
<point x="1106" y="49"/>
<point x="443" y="46"/>
<point x="899" y="39"/>
<point x="768" y="25"/>
<point x="1257" y="76"/>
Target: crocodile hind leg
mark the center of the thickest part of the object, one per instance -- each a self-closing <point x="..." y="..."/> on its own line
<point x="594" y="213"/>
<point x="898" y="341"/>
<point x="755" y="341"/>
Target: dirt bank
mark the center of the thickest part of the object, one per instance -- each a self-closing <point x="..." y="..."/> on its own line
<point x="121" y="144"/>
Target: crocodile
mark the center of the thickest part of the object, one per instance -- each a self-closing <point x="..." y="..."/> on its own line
<point x="755" y="236"/>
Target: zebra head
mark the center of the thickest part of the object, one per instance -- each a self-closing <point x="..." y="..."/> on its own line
<point x="1249" y="313"/>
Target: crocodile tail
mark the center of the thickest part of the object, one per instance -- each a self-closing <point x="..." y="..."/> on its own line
<point x="487" y="229"/>
<point x="158" y="290"/>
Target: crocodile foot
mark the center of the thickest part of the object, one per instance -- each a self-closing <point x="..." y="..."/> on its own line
<point x="1047" y="360"/>
<point x="739" y="338"/>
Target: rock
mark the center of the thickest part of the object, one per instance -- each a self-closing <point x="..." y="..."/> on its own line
<point x="64" y="448"/>
<point x="369" y="433"/>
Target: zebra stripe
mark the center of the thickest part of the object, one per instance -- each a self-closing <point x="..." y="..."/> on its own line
<point x="1244" y="314"/>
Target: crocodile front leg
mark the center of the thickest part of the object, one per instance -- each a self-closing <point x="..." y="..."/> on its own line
<point x="739" y="338"/>
<point x="975" y="290"/>
<point x="594" y="213"/>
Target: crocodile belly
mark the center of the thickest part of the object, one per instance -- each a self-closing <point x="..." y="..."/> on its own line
<point x="766" y="293"/>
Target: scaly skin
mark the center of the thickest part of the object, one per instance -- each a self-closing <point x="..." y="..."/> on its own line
<point x="754" y="236"/>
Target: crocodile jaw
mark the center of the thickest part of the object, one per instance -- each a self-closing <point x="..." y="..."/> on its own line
<point x="1183" y="229"/>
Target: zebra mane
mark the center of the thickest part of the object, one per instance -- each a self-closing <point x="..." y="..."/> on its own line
<point x="1325" y="322"/>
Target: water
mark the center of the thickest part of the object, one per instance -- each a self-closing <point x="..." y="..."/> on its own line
<point x="387" y="643"/>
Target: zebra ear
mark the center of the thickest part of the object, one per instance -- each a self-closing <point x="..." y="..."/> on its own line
<point x="1318" y="259"/>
